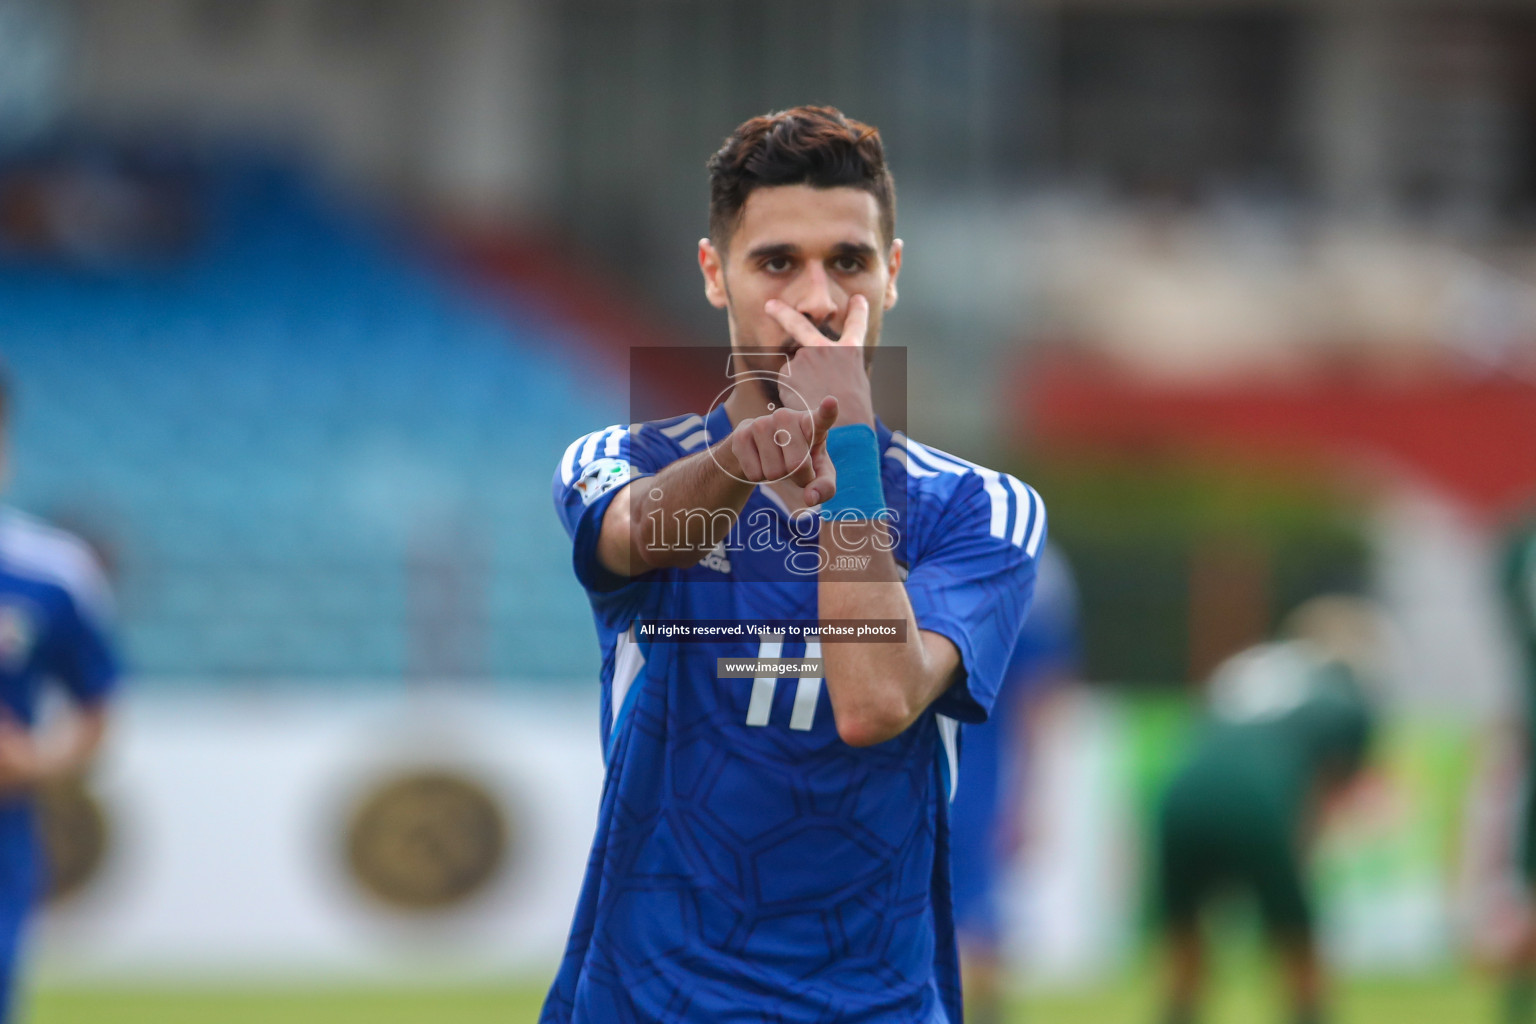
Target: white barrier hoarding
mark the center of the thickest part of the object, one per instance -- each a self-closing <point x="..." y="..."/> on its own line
<point x="229" y="814"/>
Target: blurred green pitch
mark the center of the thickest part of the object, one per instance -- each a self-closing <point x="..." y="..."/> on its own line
<point x="1253" y="998"/>
<point x="1246" y="998"/>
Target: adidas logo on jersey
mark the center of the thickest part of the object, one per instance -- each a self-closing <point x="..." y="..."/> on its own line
<point x="716" y="559"/>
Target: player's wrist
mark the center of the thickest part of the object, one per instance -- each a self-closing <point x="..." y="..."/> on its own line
<point x="725" y="458"/>
<point x="855" y="453"/>
<point x="856" y="411"/>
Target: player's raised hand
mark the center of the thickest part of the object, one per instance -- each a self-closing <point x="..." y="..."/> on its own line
<point x="822" y="366"/>
<point x="823" y="482"/>
<point x="782" y="445"/>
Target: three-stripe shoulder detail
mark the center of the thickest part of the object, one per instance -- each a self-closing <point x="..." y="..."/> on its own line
<point x="1016" y="511"/>
<point x="607" y="442"/>
<point x="688" y="431"/>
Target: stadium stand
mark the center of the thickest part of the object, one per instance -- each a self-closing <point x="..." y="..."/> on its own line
<point x="304" y="453"/>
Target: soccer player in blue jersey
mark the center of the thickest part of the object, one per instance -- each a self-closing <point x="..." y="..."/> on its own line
<point x="54" y="610"/>
<point x="993" y="756"/>
<point x="777" y="849"/>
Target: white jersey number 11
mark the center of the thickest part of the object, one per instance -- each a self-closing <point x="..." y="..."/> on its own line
<point x="807" y="691"/>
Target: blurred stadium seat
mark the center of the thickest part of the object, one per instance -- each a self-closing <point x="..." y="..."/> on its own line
<point x="270" y="432"/>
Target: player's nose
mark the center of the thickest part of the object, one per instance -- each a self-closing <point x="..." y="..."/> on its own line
<point x="817" y="299"/>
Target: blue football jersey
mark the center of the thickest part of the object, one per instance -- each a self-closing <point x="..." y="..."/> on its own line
<point x="54" y="615"/>
<point x="1049" y="646"/>
<point x="748" y="865"/>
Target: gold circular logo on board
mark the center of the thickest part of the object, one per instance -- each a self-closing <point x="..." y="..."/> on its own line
<point x="74" y="833"/>
<point x="427" y="840"/>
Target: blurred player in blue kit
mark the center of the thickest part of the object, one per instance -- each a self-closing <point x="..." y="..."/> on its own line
<point x="777" y="849"/>
<point x="993" y="757"/>
<point x="54" y="615"/>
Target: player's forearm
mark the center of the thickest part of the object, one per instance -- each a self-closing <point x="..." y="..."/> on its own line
<point x="877" y="689"/>
<point x="75" y="747"/>
<point x="681" y="514"/>
<point x="28" y="761"/>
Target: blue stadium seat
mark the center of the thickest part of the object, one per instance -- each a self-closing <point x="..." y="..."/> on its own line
<point x="265" y="438"/>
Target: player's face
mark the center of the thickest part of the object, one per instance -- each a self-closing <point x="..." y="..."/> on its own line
<point x="813" y="249"/>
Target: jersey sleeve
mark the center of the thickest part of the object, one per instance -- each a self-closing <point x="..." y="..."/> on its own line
<point x="84" y="655"/>
<point x="591" y="473"/>
<point x="974" y="583"/>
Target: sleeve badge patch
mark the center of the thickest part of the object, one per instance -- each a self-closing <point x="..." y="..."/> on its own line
<point x="600" y="477"/>
<point x="18" y="633"/>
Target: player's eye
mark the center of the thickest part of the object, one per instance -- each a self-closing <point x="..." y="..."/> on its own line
<point x="848" y="265"/>
<point x="777" y="264"/>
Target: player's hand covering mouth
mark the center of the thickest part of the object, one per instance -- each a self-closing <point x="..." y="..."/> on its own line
<point x="791" y="346"/>
<point x="827" y="330"/>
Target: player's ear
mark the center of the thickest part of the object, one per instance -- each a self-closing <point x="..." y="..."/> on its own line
<point x="713" y="268"/>
<point x="894" y="263"/>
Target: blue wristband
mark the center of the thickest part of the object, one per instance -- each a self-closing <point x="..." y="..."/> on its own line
<point x="855" y="452"/>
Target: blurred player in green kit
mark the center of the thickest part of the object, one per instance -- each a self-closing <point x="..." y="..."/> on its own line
<point x="1289" y="730"/>
<point x="1519" y="588"/>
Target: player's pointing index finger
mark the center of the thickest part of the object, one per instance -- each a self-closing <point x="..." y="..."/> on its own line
<point x="825" y="417"/>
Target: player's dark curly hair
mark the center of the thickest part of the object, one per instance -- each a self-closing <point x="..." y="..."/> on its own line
<point x="814" y="146"/>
